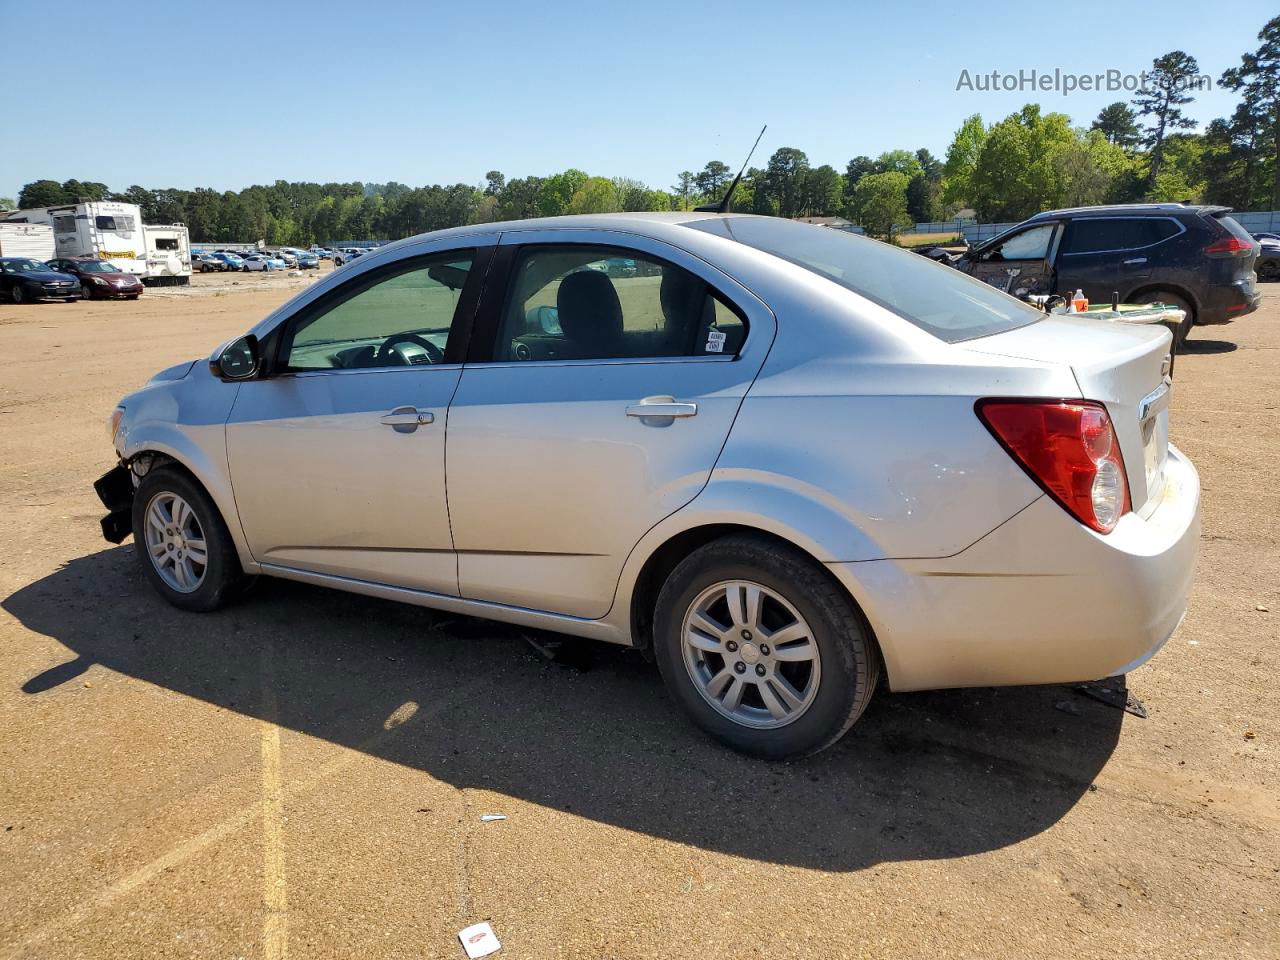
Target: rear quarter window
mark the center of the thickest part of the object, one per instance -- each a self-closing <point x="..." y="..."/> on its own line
<point x="940" y="300"/>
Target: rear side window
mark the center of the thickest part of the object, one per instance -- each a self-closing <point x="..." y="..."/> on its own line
<point x="1104" y="234"/>
<point x="598" y="303"/>
<point x="938" y="299"/>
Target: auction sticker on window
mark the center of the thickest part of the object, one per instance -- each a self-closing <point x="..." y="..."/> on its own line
<point x="715" y="341"/>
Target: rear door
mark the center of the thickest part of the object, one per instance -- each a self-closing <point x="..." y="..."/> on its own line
<point x="606" y="372"/>
<point x="1110" y="257"/>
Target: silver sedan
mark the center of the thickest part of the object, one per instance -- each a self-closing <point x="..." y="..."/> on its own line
<point x="787" y="460"/>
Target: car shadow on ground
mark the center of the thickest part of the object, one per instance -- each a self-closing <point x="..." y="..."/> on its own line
<point x="922" y="776"/>
<point x="1208" y="346"/>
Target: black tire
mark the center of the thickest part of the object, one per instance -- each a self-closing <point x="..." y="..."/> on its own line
<point x="17" y="294"/>
<point x="223" y="576"/>
<point x="850" y="662"/>
<point x="86" y="292"/>
<point x="1173" y="300"/>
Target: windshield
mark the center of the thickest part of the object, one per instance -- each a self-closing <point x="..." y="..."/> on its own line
<point x="25" y="266"/>
<point x="94" y="266"/>
<point x="938" y="299"/>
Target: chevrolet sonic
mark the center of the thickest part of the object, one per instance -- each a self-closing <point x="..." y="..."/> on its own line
<point x="785" y="460"/>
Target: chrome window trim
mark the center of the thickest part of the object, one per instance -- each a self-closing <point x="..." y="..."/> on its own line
<point x="1182" y="228"/>
<point x="601" y="362"/>
<point x="418" y="368"/>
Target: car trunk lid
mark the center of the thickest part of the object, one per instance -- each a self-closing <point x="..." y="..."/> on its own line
<point x="1123" y="366"/>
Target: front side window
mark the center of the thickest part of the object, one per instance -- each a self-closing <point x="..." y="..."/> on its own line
<point x="1032" y="244"/>
<point x="598" y="303"/>
<point x="390" y="320"/>
<point x="64" y="224"/>
<point x="167" y="243"/>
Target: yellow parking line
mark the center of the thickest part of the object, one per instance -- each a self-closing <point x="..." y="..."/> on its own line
<point x="275" y="898"/>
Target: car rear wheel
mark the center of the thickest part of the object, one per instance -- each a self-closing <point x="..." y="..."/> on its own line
<point x="763" y="649"/>
<point x="182" y="543"/>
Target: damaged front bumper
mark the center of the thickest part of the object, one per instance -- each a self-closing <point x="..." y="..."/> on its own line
<point x="115" y="490"/>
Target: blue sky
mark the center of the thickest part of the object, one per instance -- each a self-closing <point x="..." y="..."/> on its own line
<point x="215" y="94"/>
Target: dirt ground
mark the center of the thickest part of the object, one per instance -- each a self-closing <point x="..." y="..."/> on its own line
<point x="304" y="774"/>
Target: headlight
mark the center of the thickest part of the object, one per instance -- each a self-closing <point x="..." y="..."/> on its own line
<point x="97" y="280"/>
<point x="113" y="424"/>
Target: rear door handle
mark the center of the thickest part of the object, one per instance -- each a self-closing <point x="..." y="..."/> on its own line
<point x="1135" y="260"/>
<point x="662" y="407"/>
<point x="406" y="419"/>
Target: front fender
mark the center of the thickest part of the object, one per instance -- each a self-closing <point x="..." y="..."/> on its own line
<point x="186" y="421"/>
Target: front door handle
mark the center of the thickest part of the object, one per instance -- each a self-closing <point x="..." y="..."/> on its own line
<point x="1129" y="263"/>
<point x="662" y="407"/>
<point x="406" y="419"/>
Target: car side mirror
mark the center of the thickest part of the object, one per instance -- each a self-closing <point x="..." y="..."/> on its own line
<point x="236" y="360"/>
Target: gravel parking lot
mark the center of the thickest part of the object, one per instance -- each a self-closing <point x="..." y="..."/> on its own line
<point x="304" y="774"/>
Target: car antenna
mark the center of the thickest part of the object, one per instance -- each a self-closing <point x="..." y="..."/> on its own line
<point x="723" y="205"/>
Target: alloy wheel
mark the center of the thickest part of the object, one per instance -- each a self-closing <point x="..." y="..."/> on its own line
<point x="750" y="654"/>
<point x="176" y="542"/>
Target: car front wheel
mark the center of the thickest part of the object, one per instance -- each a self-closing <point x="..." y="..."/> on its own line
<point x="182" y="542"/>
<point x="763" y="649"/>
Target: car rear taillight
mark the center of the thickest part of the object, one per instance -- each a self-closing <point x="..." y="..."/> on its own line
<point x="1069" y="448"/>
<point x="1228" y="246"/>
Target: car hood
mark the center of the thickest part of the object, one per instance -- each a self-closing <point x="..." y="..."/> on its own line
<point x="48" y="276"/>
<point x="117" y="275"/>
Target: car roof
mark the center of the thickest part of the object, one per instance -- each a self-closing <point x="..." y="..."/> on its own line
<point x="625" y="222"/>
<point x="1132" y="209"/>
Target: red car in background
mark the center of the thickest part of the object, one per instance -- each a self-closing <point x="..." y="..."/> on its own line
<point x="99" y="279"/>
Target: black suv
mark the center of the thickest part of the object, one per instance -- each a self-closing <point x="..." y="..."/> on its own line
<point x="1193" y="257"/>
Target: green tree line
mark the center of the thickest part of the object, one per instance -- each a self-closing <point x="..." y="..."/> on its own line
<point x="1004" y="171"/>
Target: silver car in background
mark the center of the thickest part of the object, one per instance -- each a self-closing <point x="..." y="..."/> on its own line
<point x="787" y="460"/>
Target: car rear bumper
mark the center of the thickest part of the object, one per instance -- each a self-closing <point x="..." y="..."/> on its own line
<point x="1041" y="599"/>
<point x="1226" y="303"/>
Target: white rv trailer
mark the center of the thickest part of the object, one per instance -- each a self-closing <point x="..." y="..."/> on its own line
<point x="168" y="248"/>
<point x="106" y="230"/>
<point x="31" y="240"/>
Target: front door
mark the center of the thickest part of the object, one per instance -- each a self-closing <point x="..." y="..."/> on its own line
<point x="337" y="457"/>
<point x="1021" y="263"/>
<point x="611" y="376"/>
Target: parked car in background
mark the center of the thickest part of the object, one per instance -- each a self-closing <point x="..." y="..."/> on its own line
<point x="784" y="458"/>
<point x="306" y="260"/>
<point x="1268" y="265"/>
<point x="206" y="263"/>
<point x="286" y="257"/>
<point x="324" y="253"/>
<point x="229" y="261"/>
<point x="1268" y="239"/>
<point x="263" y="262"/>
<point x="1195" y="258"/>
<point x="99" y="279"/>
<point x="23" y="280"/>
